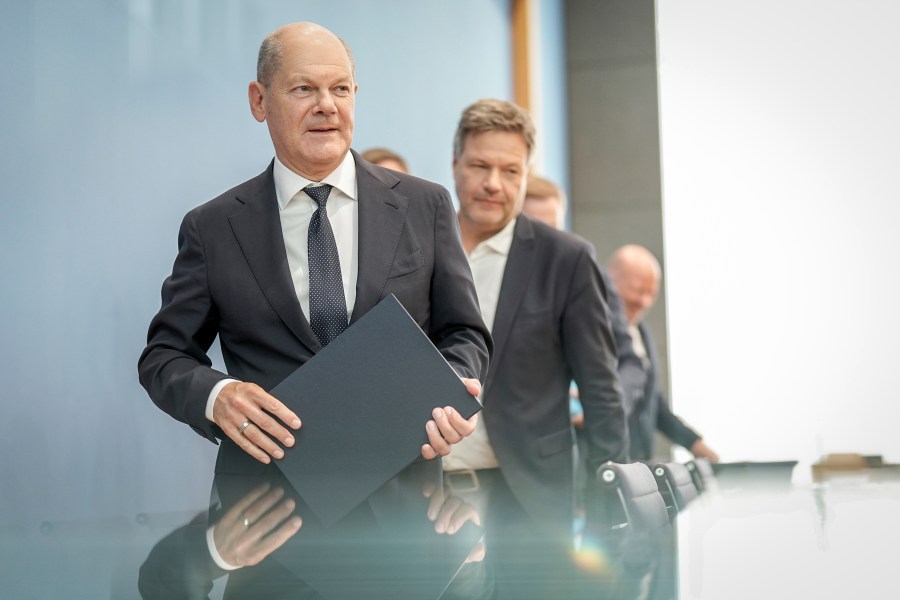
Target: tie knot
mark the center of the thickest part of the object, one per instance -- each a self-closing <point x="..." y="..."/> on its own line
<point x="319" y="193"/>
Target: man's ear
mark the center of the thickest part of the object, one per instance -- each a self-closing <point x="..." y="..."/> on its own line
<point x="256" y="93"/>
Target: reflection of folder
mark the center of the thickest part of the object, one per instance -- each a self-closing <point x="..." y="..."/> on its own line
<point x="364" y="400"/>
<point x="409" y="560"/>
<point x="385" y="548"/>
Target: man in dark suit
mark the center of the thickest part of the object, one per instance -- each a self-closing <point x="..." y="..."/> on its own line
<point x="546" y="202"/>
<point x="635" y="274"/>
<point x="541" y="293"/>
<point x="279" y="265"/>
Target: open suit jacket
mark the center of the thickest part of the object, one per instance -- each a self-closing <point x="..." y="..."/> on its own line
<point x="231" y="279"/>
<point x="551" y="326"/>
<point x="654" y="412"/>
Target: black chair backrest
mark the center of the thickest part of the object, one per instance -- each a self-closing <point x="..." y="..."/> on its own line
<point x="675" y="484"/>
<point x="699" y="483"/>
<point x="702" y="473"/>
<point x="638" y="494"/>
<point x="706" y="469"/>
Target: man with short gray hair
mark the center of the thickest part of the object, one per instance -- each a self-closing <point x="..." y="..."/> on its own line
<point x="541" y="294"/>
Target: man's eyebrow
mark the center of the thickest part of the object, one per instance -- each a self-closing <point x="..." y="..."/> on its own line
<point x="299" y="79"/>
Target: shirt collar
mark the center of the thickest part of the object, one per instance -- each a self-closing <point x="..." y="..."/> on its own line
<point x="500" y="242"/>
<point x="288" y="183"/>
<point x="634" y="331"/>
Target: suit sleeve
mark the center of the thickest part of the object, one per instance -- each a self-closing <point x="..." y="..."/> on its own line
<point x="179" y="565"/>
<point x="671" y="426"/>
<point x="456" y="327"/>
<point x="590" y="351"/>
<point x="174" y="367"/>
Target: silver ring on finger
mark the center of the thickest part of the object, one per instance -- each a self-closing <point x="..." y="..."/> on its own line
<point x="245" y="425"/>
<point x="245" y="521"/>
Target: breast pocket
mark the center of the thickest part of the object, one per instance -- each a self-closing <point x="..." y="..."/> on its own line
<point x="405" y="265"/>
<point x="410" y="281"/>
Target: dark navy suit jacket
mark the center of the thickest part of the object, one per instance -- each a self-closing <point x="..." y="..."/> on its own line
<point x="654" y="413"/>
<point x="551" y="326"/>
<point x="231" y="279"/>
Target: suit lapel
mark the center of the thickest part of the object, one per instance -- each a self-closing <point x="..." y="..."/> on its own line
<point x="382" y="215"/>
<point x="257" y="228"/>
<point x="650" y="349"/>
<point x="519" y="267"/>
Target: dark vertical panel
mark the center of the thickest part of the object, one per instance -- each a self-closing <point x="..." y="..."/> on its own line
<point x="614" y="131"/>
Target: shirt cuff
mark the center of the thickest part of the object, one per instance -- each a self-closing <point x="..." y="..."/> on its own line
<point x="211" y="400"/>
<point x="217" y="558"/>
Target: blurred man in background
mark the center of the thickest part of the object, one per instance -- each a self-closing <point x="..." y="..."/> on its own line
<point x="387" y="159"/>
<point x="636" y="273"/>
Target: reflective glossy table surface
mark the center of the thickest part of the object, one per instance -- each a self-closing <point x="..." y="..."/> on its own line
<point x="835" y="539"/>
<point x="424" y="534"/>
<point x="429" y="535"/>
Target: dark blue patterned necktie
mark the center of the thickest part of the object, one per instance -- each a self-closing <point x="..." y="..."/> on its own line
<point x="327" y="306"/>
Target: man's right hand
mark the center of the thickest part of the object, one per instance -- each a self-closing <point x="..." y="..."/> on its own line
<point x="701" y="450"/>
<point x="240" y="403"/>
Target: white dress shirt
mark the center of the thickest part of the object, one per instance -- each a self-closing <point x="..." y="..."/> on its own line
<point x="488" y="262"/>
<point x="295" y="209"/>
<point x="637" y="341"/>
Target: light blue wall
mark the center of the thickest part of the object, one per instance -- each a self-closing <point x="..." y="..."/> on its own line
<point x="118" y="117"/>
<point x="553" y="93"/>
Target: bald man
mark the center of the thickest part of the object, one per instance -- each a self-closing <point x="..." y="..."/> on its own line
<point x="635" y="274"/>
<point x="280" y="265"/>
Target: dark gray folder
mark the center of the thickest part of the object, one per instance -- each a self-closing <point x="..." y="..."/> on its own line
<point x="364" y="400"/>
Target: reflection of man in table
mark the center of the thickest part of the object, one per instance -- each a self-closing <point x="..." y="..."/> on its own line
<point x="281" y="264"/>
<point x="635" y="273"/>
<point x="409" y="539"/>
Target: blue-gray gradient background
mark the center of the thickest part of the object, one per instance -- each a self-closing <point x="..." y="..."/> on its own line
<point x="118" y="117"/>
